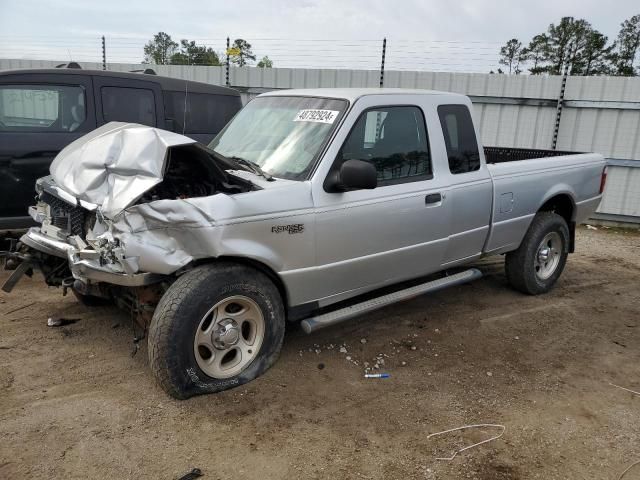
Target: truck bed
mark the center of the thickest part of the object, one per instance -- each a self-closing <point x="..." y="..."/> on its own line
<point x="507" y="154"/>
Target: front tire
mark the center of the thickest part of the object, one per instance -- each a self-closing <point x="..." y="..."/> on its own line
<point x="218" y="326"/>
<point x="537" y="264"/>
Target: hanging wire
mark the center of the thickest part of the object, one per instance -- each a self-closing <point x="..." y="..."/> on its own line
<point x="355" y="54"/>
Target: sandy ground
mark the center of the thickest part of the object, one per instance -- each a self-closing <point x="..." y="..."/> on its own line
<point x="74" y="403"/>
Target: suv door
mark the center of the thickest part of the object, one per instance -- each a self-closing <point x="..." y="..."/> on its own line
<point x="39" y="115"/>
<point x="367" y="239"/>
<point x="127" y="100"/>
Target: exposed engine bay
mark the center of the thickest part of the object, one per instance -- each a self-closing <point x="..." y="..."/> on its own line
<point x="191" y="171"/>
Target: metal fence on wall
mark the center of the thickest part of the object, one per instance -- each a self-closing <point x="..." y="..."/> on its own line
<point x="600" y="114"/>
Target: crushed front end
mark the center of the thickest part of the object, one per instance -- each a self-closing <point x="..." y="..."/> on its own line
<point x="111" y="210"/>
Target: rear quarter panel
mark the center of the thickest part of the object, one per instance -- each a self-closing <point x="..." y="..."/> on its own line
<point x="521" y="188"/>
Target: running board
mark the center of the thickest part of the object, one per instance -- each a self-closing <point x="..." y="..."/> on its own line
<point x="312" y="324"/>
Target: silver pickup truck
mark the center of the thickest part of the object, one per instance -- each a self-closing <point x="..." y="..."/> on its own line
<point x="311" y="205"/>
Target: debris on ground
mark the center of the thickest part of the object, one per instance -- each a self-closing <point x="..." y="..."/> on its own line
<point x="60" y="322"/>
<point x="623" y="388"/>
<point x="20" y="308"/>
<point x="466" y="427"/>
<point x="591" y="227"/>
<point x="376" y="375"/>
<point x="195" y="473"/>
<point x="627" y="469"/>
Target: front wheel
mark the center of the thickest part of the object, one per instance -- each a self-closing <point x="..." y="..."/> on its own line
<point x="218" y="326"/>
<point x="537" y="264"/>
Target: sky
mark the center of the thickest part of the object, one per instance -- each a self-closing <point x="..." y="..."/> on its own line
<point x="453" y="35"/>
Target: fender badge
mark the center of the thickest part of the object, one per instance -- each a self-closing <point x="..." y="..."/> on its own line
<point x="295" y="228"/>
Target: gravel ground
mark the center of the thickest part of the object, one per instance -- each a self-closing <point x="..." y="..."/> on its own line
<point x="74" y="403"/>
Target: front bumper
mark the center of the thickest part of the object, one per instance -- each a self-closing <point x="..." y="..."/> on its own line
<point x="85" y="264"/>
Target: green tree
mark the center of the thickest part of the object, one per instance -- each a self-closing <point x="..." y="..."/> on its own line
<point x="511" y="55"/>
<point x="266" y="62"/>
<point x="160" y="49"/>
<point x="573" y="43"/>
<point x="537" y="53"/>
<point x="628" y="47"/>
<point x="192" y="54"/>
<point x="595" y="58"/>
<point x="240" y="52"/>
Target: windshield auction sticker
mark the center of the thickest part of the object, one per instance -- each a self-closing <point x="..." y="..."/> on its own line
<point x="316" y="115"/>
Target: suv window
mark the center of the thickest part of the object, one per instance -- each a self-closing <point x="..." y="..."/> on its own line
<point x="125" y="104"/>
<point x="459" y="138"/>
<point x="394" y="140"/>
<point x="204" y="113"/>
<point x="42" y="108"/>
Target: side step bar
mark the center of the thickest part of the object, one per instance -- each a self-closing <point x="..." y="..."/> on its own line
<point x="331" y="318"/>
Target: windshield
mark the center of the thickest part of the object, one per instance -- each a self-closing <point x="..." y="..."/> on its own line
<point x="282" y="135"/>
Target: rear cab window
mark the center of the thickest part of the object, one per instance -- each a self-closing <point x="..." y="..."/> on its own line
<point x="42" y="108"/>
<point x="459" y="138"/>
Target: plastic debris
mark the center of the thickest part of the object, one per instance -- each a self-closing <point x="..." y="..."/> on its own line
<point x="623" y="388"/>
<point x="363" y="340"/>
<point x="60" y="322"/>
<point x="376" y="375"/>
<point x="628" y="468"/>
<point x="194" y="473"/>
<point x="590" y="227"/>
<point x="482" y="425"/>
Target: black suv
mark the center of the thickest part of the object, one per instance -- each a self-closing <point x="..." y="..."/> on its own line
<point x="42" y="111"/>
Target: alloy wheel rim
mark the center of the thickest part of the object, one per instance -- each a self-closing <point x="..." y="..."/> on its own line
<point x="229" y="337"/>
<point x="548" y="255"/>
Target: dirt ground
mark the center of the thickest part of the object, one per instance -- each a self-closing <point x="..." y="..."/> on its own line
<point x="74" y="403"/>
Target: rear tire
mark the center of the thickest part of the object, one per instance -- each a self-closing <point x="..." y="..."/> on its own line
<point x="217" y="327"/>
<point x="537" y="264"/>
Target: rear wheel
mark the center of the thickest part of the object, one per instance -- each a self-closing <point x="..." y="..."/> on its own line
<point x="537" y="264"/>
<point x="218" y="326"/>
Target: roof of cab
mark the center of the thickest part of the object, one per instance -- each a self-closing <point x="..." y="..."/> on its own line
<point x="165" y="83"/>
<point x="353" y="94"/>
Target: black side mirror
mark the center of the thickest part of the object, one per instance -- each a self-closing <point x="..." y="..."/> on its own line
<point x="353" y="175"/>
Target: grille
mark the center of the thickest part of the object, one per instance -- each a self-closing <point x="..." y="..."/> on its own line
<point x="64" y="215"/>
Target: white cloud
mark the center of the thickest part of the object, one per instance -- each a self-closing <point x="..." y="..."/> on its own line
<point x="282" y="29"/>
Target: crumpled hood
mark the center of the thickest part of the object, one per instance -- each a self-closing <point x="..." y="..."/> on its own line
<point x="114" y="165"/>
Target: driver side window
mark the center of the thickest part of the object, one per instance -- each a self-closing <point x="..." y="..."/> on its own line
<point x="394" y="140"/>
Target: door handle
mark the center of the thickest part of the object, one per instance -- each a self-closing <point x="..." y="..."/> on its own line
<point x="432" y="198"/>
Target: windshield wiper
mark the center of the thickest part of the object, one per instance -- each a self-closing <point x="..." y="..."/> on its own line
<point x="252" y="166"/>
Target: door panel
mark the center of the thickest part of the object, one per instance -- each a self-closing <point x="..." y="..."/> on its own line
<point x="367" y="239"/>
<point x="39" y="115"/>
<point x="471" y="188"/>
